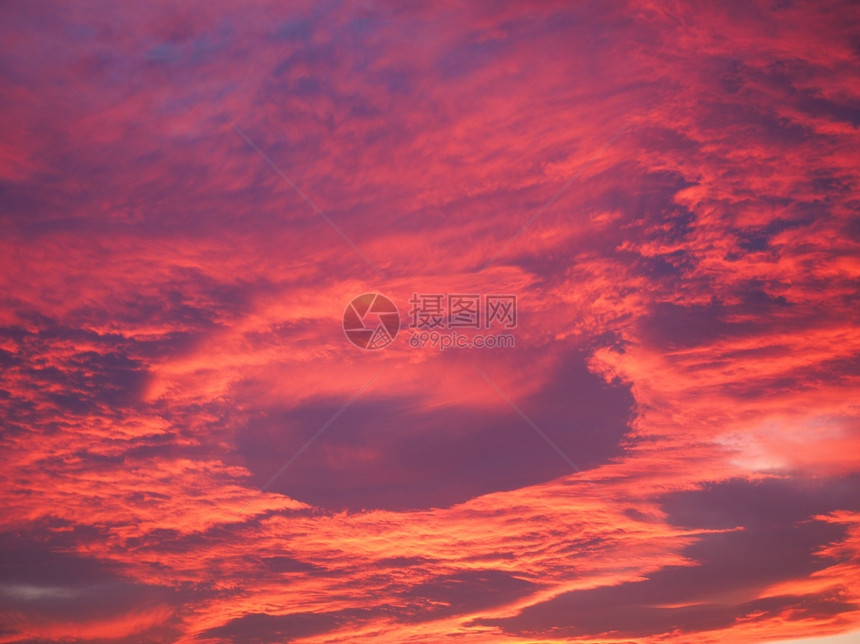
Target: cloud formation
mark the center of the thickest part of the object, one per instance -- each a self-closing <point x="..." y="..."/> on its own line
<point x="668" y="452"/>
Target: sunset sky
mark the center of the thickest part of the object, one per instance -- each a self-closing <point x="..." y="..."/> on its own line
<point x="192" y="449"/>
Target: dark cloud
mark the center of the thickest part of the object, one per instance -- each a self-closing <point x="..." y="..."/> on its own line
<point x="44" y="580"/>
<point x="462" y="593"/>
<point x="437" y="458"/>
<point x="262" y="628"/>
<point x="778" y="541"/>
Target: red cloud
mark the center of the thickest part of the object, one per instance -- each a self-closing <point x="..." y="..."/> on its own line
<point x="170" y="334"/>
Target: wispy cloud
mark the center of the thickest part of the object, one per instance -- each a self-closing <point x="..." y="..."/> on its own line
<point x="170" y="328"/>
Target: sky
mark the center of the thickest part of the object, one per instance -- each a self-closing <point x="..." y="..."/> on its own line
<point x="663" y="449"/>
